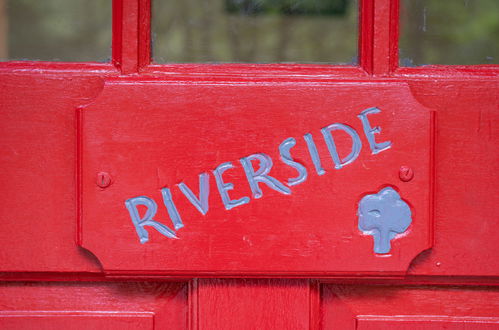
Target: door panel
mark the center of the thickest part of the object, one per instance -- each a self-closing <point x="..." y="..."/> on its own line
<point x="81" y="321"/>
<point x="427" y="323"/>
<point x="93" y="305"/>
<point x="415" y="307"/>
<point x="38" y="175"/>
<point x="467" y="168"/>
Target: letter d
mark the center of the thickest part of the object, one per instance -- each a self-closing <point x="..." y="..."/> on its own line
<point x="331" y="146"/>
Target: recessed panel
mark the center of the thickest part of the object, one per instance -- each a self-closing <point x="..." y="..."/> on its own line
<point x="311" y="179"/>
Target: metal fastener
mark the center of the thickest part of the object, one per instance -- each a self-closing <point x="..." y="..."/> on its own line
<point x="406" y="173"/>
<point x="103" y="179"/>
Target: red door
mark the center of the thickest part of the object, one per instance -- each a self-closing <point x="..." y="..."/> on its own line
<point x="250" y="196"/>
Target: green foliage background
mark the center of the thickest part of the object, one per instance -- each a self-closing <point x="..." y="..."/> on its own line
<point x="66" y="30"/>
<point x="432" y="31"/>
<point x="206" y="31"/>
<point x="449" y="32"/>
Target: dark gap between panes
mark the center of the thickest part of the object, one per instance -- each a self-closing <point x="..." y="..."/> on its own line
<point x="449" y="32"/>
<point x="255" y="31"/>
<point x="55" y="30"/>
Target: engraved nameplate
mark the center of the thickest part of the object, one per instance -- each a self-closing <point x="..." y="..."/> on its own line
<point x="212" y="179"/>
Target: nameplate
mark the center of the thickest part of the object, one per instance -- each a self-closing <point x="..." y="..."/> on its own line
<point x="329" y="179"/>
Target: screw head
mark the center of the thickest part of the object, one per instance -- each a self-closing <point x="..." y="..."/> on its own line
<point x="406" y="173"/>
<point x="103" y="179"/>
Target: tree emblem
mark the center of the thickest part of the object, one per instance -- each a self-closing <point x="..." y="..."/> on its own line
<point x="383" y="215"/>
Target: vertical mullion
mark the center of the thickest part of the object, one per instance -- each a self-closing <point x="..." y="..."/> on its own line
<point x="315" y="318"/>
<point x="394" y="35"/>
<point x="144" y="33"/>
<point x="378" y="42"/>
<point x="366" y="17"/>
<point x="131" y="30"/>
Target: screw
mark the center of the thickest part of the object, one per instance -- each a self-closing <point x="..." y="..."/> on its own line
<point x="406" y="173"/>
<point x="103" y="179"/>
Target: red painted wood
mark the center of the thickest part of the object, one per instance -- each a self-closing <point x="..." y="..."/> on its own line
<point x="393" y="307"/>
<point x="472" y="99"/>
<point x="131" y="35"/>
<point x="117" y="40"/>
<point x="378" y="40"/>
<point x="51" y="69"/>
<point x="427" y="323"/>
<point x="450" y="72"/>
<point x="366" y="35"/>
<point x="277" y="234"/>
<point x="76" y="321"/>
<point x="382" y="37"/>
<point x="315" y="312"/>
<point x="252" y="72"/>
<point x="394" y="30"/>
<point x="38" y="101"/>
<point x="38" y="176"/>
<point x="100" y="305"/>
<point x="253" y="304"/>
<point x="144" y="33"/>
<point x="467" y="169"/>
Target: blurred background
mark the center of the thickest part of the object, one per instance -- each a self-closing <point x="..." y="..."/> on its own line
<point x="250" y="31"/>
<point x="257" y="31"/>
<point x="55" y="30"/>
<point x="449" y="32"/>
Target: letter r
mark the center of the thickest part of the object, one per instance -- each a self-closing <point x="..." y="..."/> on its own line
<point x="139" y="223"/>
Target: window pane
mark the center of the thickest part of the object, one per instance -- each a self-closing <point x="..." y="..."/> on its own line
<point x="449" y="32"/>
<point x="55" y="30"/>
<point x="258" y="31"/>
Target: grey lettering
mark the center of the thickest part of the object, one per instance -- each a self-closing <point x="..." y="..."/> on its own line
<point x="286" y="158"/>
<point x="223" y="187"/>
<point x="200" y="203"/>
<point x="312" y="149"/>
<point x="261" y="175"/>
<point x="172" y="210"/>
<point x="356" y="144"/>
<point x="132" y="203"/>
<point x="369" y="131"/>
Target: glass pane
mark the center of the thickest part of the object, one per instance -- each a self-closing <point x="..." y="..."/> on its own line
<point x="55" y="30"/>
<point x="256" y="31"/>
<point x="449" y="32"/>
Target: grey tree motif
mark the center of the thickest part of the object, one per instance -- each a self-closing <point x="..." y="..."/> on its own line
<point x="383" y="215"/>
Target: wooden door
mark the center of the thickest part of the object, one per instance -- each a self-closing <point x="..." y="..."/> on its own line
<point x="138" y="195"/>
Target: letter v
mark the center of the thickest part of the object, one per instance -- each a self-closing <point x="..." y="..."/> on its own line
<point x="200" y="203"/>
